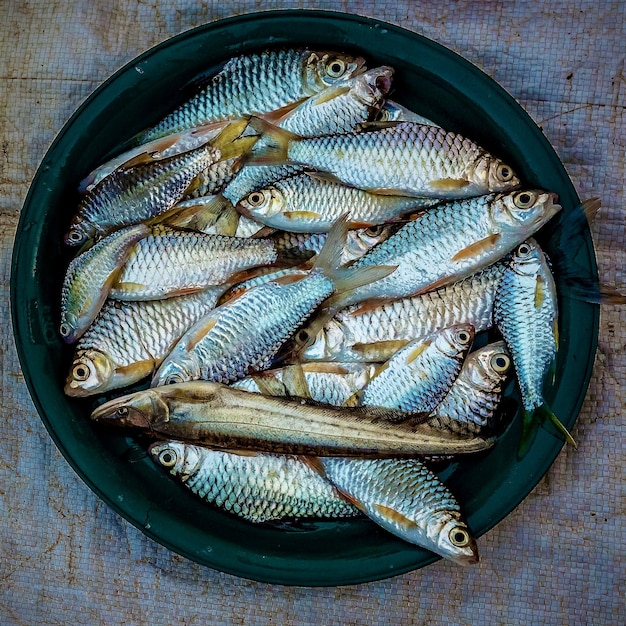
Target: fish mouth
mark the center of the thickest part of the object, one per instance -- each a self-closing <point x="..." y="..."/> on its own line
<point x="119" y="412"/>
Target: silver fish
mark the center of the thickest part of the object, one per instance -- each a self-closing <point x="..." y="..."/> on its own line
<point x="254" y="486"/>
<point x="258" y="84"/>
<point x="374" y="333"/>
<point x="212" y="414"/>
<point x="128" y="340"/>
<point x="171" y="262"/>
<point x="453" y="240"/>
<point x="309" y="203"/>
<point x="405" y="158"/>
<point x="419" y="376"/>
<point x="408" y="500"/>
<point x="526" y="313"/>
<point x="89" y="278"/>
<point x="393" y="112"/>
<point x="471" y="404"/>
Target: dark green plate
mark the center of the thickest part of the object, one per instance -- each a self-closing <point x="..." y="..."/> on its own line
<point x="429" y="79"/>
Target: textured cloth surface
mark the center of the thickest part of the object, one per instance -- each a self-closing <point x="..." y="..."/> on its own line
<point x="67" y="558"/>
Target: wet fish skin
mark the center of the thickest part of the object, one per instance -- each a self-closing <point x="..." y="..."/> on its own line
<point x="418" y="376"/>
<point x="309" y="204"/>
<point x="407" y="499"/>
<point x="212" y="414"/>
<point x="254" y="486"/>
<point x="89" y="278"/>
<point x="471" y="404"/>
<point x="128" y="340"/>
<point x="453" y="240"/>
<point x="376" y="333"/>
<point x="137" y="194"/>
<point x="260" y="83"/>
<point x="169" y="262"/>
<point x="405" y="158"/>
<point x="394" y="112"/>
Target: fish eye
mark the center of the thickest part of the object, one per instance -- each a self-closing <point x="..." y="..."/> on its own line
<point x="256" y="198"/>
<point x="336" y="68"/>
<point x="523" y="249"/>
<point x="374" y="231"/>
<point x="80" y="372"/>
<point x="122" y="411"/>
<point x="303" y="336"/>
<point x="459" y="537"/>
<point x="504" y="172"/>
<point x="524" y="199"/>
<point x="74" y="236"/>
<point x="167" y="458"/>
<point x="65" y="329"/>
<point x="463" y="336"/>
<point x="500" y="363"/>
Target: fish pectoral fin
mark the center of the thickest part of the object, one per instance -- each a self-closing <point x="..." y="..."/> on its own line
<point x="269" y="384"/>
<point x="129" y="287"/>
<point x="137" y="370"/>
<point x="326" y="177"/>
<point x="302" y="215"/>
<point x="540" y="292"/>
<point x="380" y="350"/>
<point x="449" y="184"/>
<point x="477" y="247"/>
<point x="295" y="381"/>
<point x="329" y="94"/>
<point x="200" y="332"/>
<point x="417" y="351"/>
<point x="395" y="517"/>
<point x="280" y="115"/>
<point x="322" y="367"/>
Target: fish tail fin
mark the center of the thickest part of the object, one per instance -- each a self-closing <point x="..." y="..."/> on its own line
<point x="532" y="420"/>
<point x="590" y="290"/>
<point x="345" y="279"/>
<point x="273" y="146"/>
<point x="201" y="213"/>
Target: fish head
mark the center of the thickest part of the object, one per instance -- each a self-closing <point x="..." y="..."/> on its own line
<point x="262" y="203"/>
<point x="451" y="538"/>
<point x="523" y="212"/>
<point x="91" y="372"/>
<point x="70" y="328"/>
<point x="490" y="366"/>
<point x="173" y="370"/>
<point x="142" y="409"/>
<point x="360" y="240"/>
<point x="178" y="458"/>
<point x="527" y="258"/>
<point x="494" y="175"/>
<point x="372" y="86"/>
<point x="79" y="233"/>
<point x="455" y="340"/>
<point x="319" y="344"/>
<point x="331" y="68"/>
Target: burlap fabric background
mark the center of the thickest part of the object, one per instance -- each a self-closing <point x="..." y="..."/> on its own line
<point x="66" y="558"/>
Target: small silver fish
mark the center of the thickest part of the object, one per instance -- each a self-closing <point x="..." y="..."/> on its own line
<point x="309" y="203"/>
<point x="254" y="486"/>
<point x="89" y="278"/>
<point x="471" y="404"/>
<point x="170" y="262"/>
<point x="418" y="376"/>
<point x="453" y="240"/>
<point x="407" y="499"/>
<point x="128" y="340"/>
<point x="393" y="112"/>
<point x="260" y="83"/>
<point x="403" y="158"/>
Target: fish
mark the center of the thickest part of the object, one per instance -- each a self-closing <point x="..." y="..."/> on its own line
<point x="364" y="333"/>
<point x="472" y="402"/>
<point x="526" y="313"/>
<point x="418" y="376"/>
<point x="453" y="240"/>
<point x="128" y="340"/>
<point x="169" y="262"/>
<point x="149" y="190"/>
<point x="408" y="500"/>
<point x="329" y="383"/>
<point x="216" y="415"/>
<point x="400" y="158"/>
<point x="255" y="486"/>
<point x="263" y="83"/>
<point x="89" y="278"/>
<point x="309" y="203"/>
<point x="245" y="333"/>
